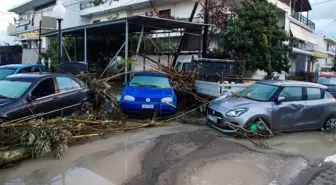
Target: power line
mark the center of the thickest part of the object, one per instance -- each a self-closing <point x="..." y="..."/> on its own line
<point x="326" y="26"/>
<point x="321" y="2"/>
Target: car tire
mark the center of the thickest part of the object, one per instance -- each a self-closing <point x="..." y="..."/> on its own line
<point x="330" y="124"/>
<point x="86" y="107"/>
<point x="261" y="127"/>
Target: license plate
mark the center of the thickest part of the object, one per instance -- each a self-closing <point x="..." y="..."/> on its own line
<point x="147" y="106"/>
<point x="212" y="118"/>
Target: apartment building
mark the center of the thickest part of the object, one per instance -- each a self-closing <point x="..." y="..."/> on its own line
<point x="36" y="16"/>
<point x="327" y="46"/>
<point x="293" y="17"/>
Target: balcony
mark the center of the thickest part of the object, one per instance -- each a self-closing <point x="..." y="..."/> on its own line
<point x="303" y="19"/>
<point x="28" y="26"/>
<point x="303" y="45"/>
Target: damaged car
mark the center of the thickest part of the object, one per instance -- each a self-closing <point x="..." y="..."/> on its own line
<point x="280" y="105"/>
<point x="46" y="95"/>
<point x="147" y="93"/>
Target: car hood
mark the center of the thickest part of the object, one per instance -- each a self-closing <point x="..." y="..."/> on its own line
<point x="230" y="103"/>
<point x="149" y="92"/>
<point x="4" y="102"/>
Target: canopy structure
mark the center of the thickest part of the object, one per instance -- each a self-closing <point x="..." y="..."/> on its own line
<point x="135" y="24"/>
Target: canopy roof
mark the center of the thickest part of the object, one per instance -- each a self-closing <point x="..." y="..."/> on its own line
<point x="135" y="24"/>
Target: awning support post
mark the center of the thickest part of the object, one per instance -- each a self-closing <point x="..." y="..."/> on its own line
<point x="126" y="50"/>
<point x="113" y="60"/>
<point x="200" y="45"/>
<point x="138" y="46"/>
<point x="85" y="45"/>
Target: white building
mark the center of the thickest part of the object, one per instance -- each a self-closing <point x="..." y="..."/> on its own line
<point x="327" y="46"/>
<point x="292" y="14"/>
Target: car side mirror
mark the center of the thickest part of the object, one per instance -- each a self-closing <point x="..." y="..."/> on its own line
<point x="281" y="99"/>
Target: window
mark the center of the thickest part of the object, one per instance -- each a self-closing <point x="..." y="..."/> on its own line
<point x="96" y="21"/>
<point x="292" y="93"/>
<point x="165" y="14"/>
<point x="67" y="84"/>
<point x="75" y="85"/>
<point x="314" y="93"/>
<point x="85" y="5"/>
<point x="44" y="88"/>
<point x="64" y="83"/>
<point x="13" y="89"/>
<point x="30" y="70"/>
<point x="259" y="92"/>
<point x="326" y="80"/>
<point x="150" y="81"/>
<point x="6" y="72"/>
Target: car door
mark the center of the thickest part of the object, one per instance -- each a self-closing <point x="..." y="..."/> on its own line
<point x="70" y="94"/>
<point x="44" y="99"/>
<point x="315" y="105"/>
<point x="289" y="112"/>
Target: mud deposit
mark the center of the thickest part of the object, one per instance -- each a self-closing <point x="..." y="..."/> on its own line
<point x="175" y="155"/>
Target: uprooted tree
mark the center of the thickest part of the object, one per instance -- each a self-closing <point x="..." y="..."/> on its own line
<point x="254" y="38"/>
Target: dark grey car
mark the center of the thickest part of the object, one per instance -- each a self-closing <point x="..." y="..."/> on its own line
<point x="283" y="105"/>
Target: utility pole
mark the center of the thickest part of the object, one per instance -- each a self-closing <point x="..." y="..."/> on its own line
<point x="40" y="39"/>
<point x="206" y="28"/>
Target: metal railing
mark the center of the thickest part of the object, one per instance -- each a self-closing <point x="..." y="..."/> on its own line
<point x="303" y="45"/>
<point x="303" y="19"/>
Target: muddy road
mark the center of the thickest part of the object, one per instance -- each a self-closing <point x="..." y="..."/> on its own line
<point x="181" y="154"/>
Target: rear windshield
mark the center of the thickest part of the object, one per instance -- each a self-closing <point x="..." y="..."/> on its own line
<point x="6" y="72"/>
<point x="326" y="80"/>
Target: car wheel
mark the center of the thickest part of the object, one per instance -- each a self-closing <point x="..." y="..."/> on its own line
<point x="258" y="124"/>
<point x="86" y="107"/>
<point x="330" y="124"/>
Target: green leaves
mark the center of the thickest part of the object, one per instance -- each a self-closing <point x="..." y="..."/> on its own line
<point x="255" y="39"/>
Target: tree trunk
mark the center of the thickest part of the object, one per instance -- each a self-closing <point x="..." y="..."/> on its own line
<point x="9" y="157"/>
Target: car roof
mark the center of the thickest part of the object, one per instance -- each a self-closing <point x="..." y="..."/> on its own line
<point x="150" y="74"/>
<point x="327" y="74"/>
<point x="17" y="66"/>
<point x="34" y="76"/>
<point x="287" y="83"/>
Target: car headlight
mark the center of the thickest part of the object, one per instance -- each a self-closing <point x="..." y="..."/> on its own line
<point x="236" y="112"/>
<point x="167" y="100"/>
<point x="129" y="98"/>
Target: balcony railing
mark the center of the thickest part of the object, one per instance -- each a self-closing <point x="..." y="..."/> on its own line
<point x="303" y="19"/>
<point x="303" y="45"/>
<point x="332" y="50"/>
<point x="31" y="25"/>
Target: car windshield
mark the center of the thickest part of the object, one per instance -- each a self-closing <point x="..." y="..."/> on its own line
<point x="13" y="89"/>
<point x="259" y="92"/>
<point x="6" y="72"/>
<point x="150" y="81"/>
<point x="327" y="80"/>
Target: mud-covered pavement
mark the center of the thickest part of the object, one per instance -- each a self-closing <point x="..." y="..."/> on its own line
<point x="182" y="154"/>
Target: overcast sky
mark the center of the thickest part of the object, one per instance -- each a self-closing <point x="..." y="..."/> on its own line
<point x="322" y="14"/>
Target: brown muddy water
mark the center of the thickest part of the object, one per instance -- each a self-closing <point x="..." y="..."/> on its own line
<point x="177" y="154"/>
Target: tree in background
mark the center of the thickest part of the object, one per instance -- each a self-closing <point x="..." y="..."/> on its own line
<point x="254" y="38"/>
<point x="219" y="15"/>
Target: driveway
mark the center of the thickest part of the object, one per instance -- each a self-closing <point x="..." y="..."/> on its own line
<point x="179" y="154"/>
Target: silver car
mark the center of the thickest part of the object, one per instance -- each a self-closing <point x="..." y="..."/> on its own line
<point x="282" y="105"/>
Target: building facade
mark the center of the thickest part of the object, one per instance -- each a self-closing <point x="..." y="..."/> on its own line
<point x="327" y="46"/>
<point x="293" y="17"/>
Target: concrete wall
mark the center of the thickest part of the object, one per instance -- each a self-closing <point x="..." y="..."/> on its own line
<point x="29" y="56"/>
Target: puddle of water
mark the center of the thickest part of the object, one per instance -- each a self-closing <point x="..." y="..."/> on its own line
<point x="75" y="176"/>
<point x="310" y="144"/>
<point x="232" y="172"/>
<point x="330" y="159"/>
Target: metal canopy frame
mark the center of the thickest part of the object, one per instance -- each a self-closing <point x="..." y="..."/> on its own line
<point x="125" y="26"/>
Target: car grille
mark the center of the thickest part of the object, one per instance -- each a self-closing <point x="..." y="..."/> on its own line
<point x="151" y="99"/>
<point x="219" y="120"/>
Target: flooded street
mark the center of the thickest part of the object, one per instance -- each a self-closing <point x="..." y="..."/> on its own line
<point x="180" y="155"/>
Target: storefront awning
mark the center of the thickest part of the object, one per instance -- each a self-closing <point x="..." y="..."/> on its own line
<point x="320" y="55"/>
<point x="301" y="33"/>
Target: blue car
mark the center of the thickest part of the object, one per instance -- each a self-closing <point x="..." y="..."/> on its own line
<point x="7" y="70"/>
<point x="147" y="92"/>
